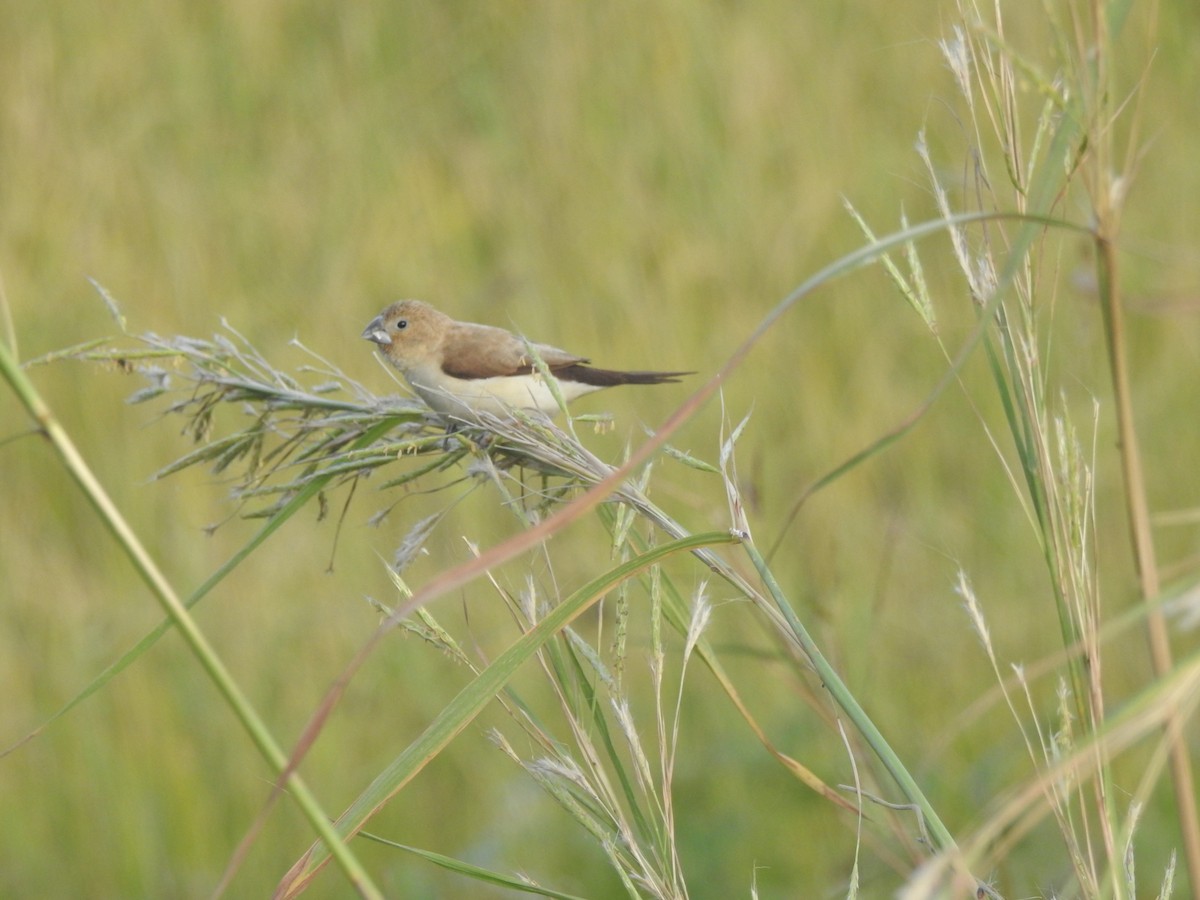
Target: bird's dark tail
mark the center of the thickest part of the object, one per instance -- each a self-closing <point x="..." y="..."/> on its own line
<point x="610" y="378"/>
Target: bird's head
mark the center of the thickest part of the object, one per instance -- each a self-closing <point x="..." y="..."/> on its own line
<point x="408" y="332"/>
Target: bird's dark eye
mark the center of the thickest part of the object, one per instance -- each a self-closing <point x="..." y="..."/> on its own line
<point x="401" y="324"/>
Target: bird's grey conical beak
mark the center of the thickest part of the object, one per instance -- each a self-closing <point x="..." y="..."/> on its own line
<point x="375" y="333"/>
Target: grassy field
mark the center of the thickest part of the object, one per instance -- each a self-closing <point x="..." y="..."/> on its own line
<point x="642" y="183"/>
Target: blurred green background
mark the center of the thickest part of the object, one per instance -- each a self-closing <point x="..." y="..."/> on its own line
<point x="637" y="182"/>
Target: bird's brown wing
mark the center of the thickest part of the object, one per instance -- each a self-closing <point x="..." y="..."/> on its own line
<point x="481" y="351"/>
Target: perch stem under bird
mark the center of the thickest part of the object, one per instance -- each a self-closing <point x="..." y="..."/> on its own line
<point x="462" y="369"/>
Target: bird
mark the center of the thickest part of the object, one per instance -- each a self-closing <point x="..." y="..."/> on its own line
<point x="462" y="370"/>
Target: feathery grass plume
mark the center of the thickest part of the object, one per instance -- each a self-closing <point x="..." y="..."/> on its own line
<point x="1072" y="148"/>
<point x="339" y="431"/>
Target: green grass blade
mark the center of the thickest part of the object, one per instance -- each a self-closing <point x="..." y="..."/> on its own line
<point x="161" y="588"/>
